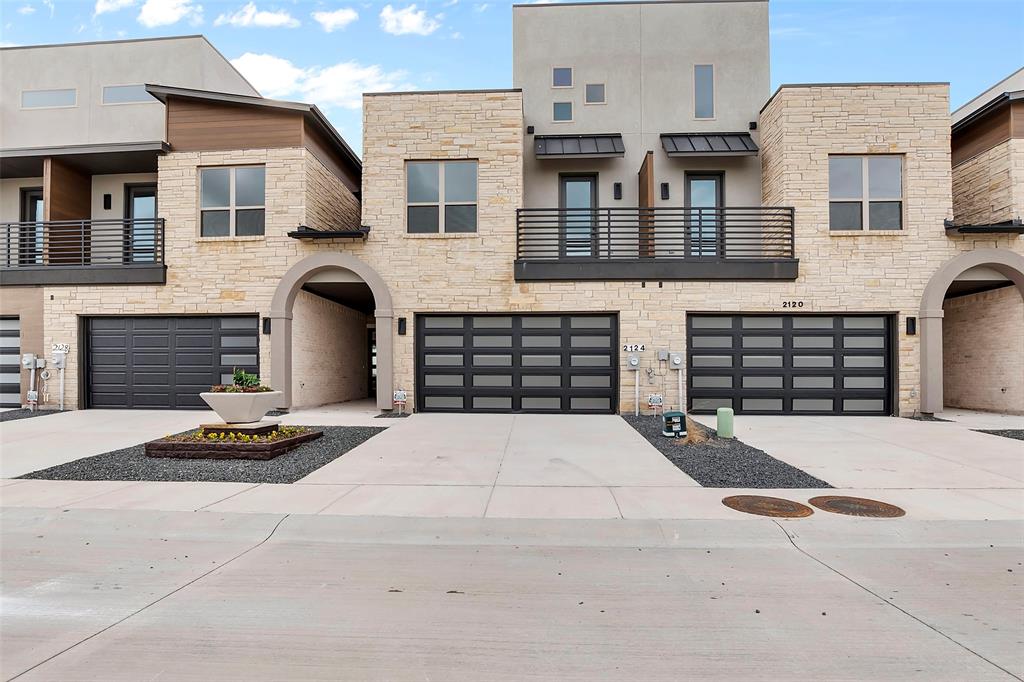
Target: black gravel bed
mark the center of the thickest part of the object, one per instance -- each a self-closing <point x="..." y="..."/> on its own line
<point x="132" y="464"/>
<point x="25" y="413"/>
<point x="723" y="462"/>
<point x="392" y="415"/>
<point x="927" y="418"/>
<point x="1017" y="434"/>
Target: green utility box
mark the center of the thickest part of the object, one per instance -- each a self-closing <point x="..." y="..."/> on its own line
<point x="673" y="424"/>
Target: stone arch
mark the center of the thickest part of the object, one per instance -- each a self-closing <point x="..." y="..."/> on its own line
<point x="1008" y="263"/>
<point x="281" y="321"/>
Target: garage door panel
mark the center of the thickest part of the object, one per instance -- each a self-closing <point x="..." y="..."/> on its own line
<point x="777" y="364"/>
<point x="165" y="362"/>
<point x="518" y="363"/>
<point x="10" y="361"/>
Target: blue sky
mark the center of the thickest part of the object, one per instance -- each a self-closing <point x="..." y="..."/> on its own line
<point x="329" y="51"/>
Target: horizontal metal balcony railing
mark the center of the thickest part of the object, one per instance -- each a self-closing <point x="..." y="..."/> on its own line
<point x="723" y="233"/>
<point x="82" y="243"/>
<point x="82" y="251"/>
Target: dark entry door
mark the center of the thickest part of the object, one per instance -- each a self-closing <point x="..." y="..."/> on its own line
<point x="31" y="235"/>
<point x="790" y="364"/>
<point x="578" y="201"/>
<point x="704" y="201"/>
<point x="165" y="362"/>
<point x="140" y="224"/>
<point x="517" y="363"/>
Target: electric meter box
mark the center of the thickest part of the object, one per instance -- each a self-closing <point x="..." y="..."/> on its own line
<point x="673" y="424"/>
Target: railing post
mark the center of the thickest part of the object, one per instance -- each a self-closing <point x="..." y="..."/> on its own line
<point x="792" y="231"/>
<point x="608" y="252"/>
<point x="163" y="250"/>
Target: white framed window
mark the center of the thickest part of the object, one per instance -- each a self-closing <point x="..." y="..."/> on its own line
<point x="49" y="99"/>
<point x="126" y="94"/>
<point x="232" y="201"/>
<point x="561" y="112"/>
<point x="865" y="192"/>
<point x="593" y="93"/>
<point x="704" y="91"/>
<point x="561" y="77"/>
<point x="441" y="196"/>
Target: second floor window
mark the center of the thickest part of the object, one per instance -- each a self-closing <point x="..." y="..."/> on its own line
<point x="703" y="91"/>
<point x="865" y="192"/>
<point x="561" y="112"/>
<point x="48" y="99"/>
<point x="126" y="94"/>
<point x="561" y="77"/>
<point x="440" y="196"/>
<point x="231" y="201"/>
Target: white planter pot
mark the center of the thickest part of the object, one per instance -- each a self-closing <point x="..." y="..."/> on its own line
<point x="241" y="408"/>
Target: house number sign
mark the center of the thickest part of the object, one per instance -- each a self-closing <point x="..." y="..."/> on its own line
<point x="792" y="304"/>
<point x="633" y="348"/>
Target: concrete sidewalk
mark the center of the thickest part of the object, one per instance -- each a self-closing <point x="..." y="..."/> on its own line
<point x="117" y="595"/>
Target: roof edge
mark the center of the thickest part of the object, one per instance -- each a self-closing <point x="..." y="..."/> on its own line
<point x="854" y="84"/>
<point x="480" y="91"/>
<point x="109" y="42"/>
<point x="989" y="107"/>
<point x="98" y="148"/>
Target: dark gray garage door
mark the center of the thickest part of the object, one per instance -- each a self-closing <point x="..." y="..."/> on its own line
<point x="10" y="362"/>
<point x="790" y="364"/>
<point x="165" y="362"/>
<point x="517" y="363"/>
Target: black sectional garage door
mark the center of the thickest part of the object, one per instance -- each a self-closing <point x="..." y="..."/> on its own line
<point x="165" y="362"/>
<point x="517" y="363"/>
<point x="790" y="364"/>
<point x="10" y="362"/>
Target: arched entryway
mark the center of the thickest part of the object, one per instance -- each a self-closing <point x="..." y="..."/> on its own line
<point x="1007" y="263"/>
<point x="312" y="268"/>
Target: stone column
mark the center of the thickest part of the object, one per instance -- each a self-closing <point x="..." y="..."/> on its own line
<point x="385" y="358"/>
<point x="931" y="360"/>
<point x="281" y="356"/>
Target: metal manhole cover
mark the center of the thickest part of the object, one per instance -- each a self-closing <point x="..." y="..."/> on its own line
<point x="856" y="506"/>
<point x="767" y="506"/>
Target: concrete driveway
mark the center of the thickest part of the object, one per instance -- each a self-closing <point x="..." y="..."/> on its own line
<point x="522" y="465"/>
<point x="890" y="452"/>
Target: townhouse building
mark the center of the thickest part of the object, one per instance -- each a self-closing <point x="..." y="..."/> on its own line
<point x="639" y="214"/>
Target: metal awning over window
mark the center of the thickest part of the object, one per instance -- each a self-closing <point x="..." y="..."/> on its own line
<point x="578" y="146"/>
<point x="708" y="144"/>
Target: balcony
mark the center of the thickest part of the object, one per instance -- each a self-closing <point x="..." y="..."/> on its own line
<point x="129" y="251"/>
<point x="664" y="243"/>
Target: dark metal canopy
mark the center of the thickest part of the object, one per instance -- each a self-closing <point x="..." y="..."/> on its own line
<point x="305" y="232"/>
<point x="578" y="146"/>
<point x="1014" y="226"/>
<point x="708" y="144"/>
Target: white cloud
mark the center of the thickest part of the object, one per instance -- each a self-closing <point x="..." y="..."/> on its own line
<point x="482" y="7"/>
<point x="341" y="85"/>
<point x="407" y="20"/>
<point x="104" y="6"/>
<point x="336" y="20"/>
<point x="166" y="12"/>
<point x="248" y="15"/>
<point x="26" y="9"/>
<point x="49" y="4"/>
<point x="455" y="35"/>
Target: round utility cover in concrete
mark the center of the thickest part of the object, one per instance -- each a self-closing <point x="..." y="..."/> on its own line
<point x="856" y="506"/>
<point x="763" y="505"/>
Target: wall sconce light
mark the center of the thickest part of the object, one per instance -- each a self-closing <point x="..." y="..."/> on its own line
<point x="617" y="191"/>
<point x="106" y="202"/>
<point x="664" y="191"/>
<point x="911" y="326"/>
<point x="401" y="326"/>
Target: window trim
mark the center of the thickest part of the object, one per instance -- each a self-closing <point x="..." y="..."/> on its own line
<point x="232" y="207"/>
<point x="441" y="204"/>
<point x="152" y="100"/>
<point x="865" y="200"/>
<point x="21" y="99"/>
<point x="572" y="112"/>
<point x="572" y="78"/>
<point x="604" y="92"/>
<point x="714" y="92"/>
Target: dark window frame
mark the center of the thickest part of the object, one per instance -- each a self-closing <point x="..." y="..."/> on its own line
<point x="865" y="201"/>
<point x="441" y="204"/>
<point x="232" y="208"/>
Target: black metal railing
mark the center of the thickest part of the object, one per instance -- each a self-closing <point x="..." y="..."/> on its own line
<point x="724" y="233"/>
<point x="82" y="243"/>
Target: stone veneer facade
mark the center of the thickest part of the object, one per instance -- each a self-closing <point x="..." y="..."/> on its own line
<point x="988" y="188"/>
<point x="983" y="351"/>
<point x="800" y="126"/>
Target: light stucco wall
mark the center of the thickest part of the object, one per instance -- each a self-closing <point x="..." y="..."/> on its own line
<point x="983" y="351"/>
<point x="329" y="352"/>
<point x="188" y="61"/>
<point x="644" y="53"/>
<point x="10" y="196"/>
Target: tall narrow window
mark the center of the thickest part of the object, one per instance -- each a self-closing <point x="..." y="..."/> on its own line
<point x="441" y="196"/>
<point x="704" y="91"/>
<point x="865" y="192"/>
<point x="232" y="201"/>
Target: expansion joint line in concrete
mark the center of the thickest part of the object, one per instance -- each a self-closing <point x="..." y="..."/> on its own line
<point x="889" y="603"/>
<point x="154" y="602"/>
<point x="504" y="452"/>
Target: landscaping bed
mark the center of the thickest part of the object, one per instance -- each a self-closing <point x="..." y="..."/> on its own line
<point x="722" y="462"/>
<point x="1017" y="434"/>
<point x="226" y="444"/>
<point x="132" y="464"/>
<point x="25" y="413"/>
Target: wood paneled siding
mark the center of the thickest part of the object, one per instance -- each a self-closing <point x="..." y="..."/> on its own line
<point x="997" y="127"/>
<point x="645" y="194"/>
<point x="67" y="195"/>
<point x="196" y="125"/>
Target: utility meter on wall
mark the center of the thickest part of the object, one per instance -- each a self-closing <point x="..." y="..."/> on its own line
<point x="675" y="360"/>
<point x="633" y="362"/>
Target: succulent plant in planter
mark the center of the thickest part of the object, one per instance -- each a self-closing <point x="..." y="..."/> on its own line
<point x="242" y="401"/>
